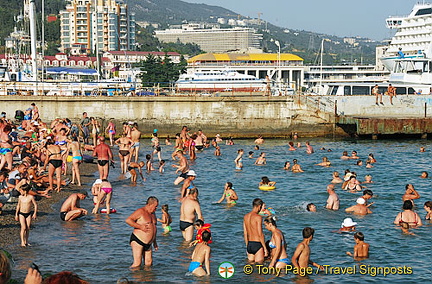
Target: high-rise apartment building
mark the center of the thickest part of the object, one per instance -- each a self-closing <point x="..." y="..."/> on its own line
<point x="103" y="24"/>
<point x="213" y="40"/>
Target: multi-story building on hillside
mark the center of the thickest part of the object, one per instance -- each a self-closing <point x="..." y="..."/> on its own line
<point x="87" y="25"/>
<point x="213" y="40"/>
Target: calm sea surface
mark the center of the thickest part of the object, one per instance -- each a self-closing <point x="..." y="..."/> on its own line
<point x="97" y="248"/>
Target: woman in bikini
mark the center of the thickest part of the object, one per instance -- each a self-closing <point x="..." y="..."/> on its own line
<point x="125" y="144"/>
<point x="75" y="147"/>
<point x="229" y="194"/>
<point x="277" y="244"/>
<point x="238" y="160"/>
<point x="95" y="129"/>
<point x="408" y="215"/>
<point x="111" y="131"/>
<point x="62" y="141"/>
<point x="54" y="162"/>
<point x="105" y="192"/>
<point x="6" y="148"/>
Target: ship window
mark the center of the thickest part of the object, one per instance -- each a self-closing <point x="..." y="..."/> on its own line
<point x="402" y="91"/>
<point x="347" y="90"/>
<point x="360" y="90"/>
<point x="421" y="12"/>
<point x="410" y="91"/>
<point x="334" y="91"/>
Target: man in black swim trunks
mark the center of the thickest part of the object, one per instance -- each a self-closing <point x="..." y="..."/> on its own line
<point x="253" y="233"/>
<point x="70" y="209"/>
<point x="144" y="221"/>
<point x="189" y="208"/>
<point x="104" y="154"/>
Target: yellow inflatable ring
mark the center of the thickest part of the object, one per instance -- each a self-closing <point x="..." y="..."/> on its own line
<point x="267" y="187"/>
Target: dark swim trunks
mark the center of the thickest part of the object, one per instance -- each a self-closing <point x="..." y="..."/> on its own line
<point x="134" y="238"/>
<point x="183" y="175"/>
<point x="63" y="215"/>
<point x="253" y="247"/>
<point x="25" y="214"/>
<point x="124" y="152"/>
<point x="184" y="225"/>
<point x="102" y="162"/>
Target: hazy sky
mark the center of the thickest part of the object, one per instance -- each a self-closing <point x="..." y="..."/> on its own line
<point x="335" y="17"/>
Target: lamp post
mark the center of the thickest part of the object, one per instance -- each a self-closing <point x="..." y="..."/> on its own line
<point x="278" y="60"/>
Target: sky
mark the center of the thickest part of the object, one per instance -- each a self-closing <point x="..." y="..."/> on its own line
<point x="344" y="18"/>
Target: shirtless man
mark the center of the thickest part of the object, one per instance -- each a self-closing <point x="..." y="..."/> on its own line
<point x="309" y="149"/>
<point x="360" y="208"/>
<point x="182" y="167"/>
<point x="135" y="137"/>
<point x="253" y="233"/>
<point x="70" y="210"/>
<point x="184" y="133"/>
<point x="391" y="91"/>
<point x="35" y="112"/>
<point x="104" y="156"/>
<point x="410" y="193"/>
<point x="144" y="221"/>
<point x="189" y="208"/>
<point x="361" y="249"/>
<point x="301" y="256"/>
<point x="333" y="199"/>
<point x="377" y="94"/>
<point x="259" y="140"/>
<point x="178" y="146"/>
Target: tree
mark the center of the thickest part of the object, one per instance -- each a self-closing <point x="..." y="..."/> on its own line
<point x="162" y="71"/>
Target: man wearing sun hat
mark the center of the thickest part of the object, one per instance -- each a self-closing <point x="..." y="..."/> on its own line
<point x="188" y="184"/>
<point x="360" y="208"/>
<point x="348" y="225"/>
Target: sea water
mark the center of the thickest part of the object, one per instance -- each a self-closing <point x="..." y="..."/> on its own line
<point x="96" y="247"/>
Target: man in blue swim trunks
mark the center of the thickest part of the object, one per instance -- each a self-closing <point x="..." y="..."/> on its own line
<point x="253" y="233"/>
<point x="144" y="221"/>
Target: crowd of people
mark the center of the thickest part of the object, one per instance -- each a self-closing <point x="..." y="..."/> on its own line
<point x="35" y="155"/>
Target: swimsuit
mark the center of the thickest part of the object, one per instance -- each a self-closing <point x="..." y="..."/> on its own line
<point x="183" y="175"/>
<point x="124" y="152"/>
<point x="253" y="247"/>
<point x="414" y="223"/>
<point x="25" y="214"/>
<point x="107" y="189"/>
<point x="134" y="238"/>
<point x="184" y="225"/>
<point x="56" y="163"/>
<point x="284" y="260"/>
<point x="194" y="265"/>
<point x="199" y="147"/>
<point x="60" y="143"/>
<point x="135" y="145"/>
<point x="79" y="158"/>
<point x="167" y="228"/>
<point x="102" y="162"/>
<point x="111" y="132"/>
<point x="63" y="215"/>
<point x="4" y="151"/>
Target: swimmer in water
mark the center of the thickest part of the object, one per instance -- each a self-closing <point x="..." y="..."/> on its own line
<point x="371" y="158"/>
<point x="261" y="160"/>
<point x="368" y="179"/>
<point x="217" y="151"/>
<point x="422" y="149"/>
<point x="361" y="249"/>
<point x="325" y="162"/>
<point x="265" y="181"/>
<point x="309" y="149"/>
<point x="336" y="178"/>
<point x="296" y="168"/>
<point x="344" y="156"/>
<point x="287" y="166"/>
<point x="291" y="146"/>
<point x="311" y="207"/>
<point x="166" y="219"/>
<point x="369" y="165"/>
<point x="428" y="208"/>
<point x="238" y="160"/>
<point x="251" y="154"/>
<point x="359" y="163"/>
<point x="348" y="225"/>
<point x="424" y="175"/>
<point x="354" y="155"/>
<point x="229" y="194"/>
<point x="405" y="229"/>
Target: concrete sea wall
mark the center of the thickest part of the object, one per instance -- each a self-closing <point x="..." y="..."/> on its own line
<point x="229" y="116"/>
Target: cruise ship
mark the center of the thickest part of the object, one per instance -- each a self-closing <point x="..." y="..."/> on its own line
<point x="219" y="81"/>
<point x="413" y="38"/>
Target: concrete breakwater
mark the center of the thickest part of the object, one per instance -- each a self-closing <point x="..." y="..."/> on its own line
<point x="244" y="117"/>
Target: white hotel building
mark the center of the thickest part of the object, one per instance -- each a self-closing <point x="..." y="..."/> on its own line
<point x="106" y="24"/>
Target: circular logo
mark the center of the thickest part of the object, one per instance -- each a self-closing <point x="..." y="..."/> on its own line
<point x="226" y="270"/>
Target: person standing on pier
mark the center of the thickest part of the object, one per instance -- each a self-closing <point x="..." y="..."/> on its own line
<point x="144" y="221"/>
<point x="391" y="91"/>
